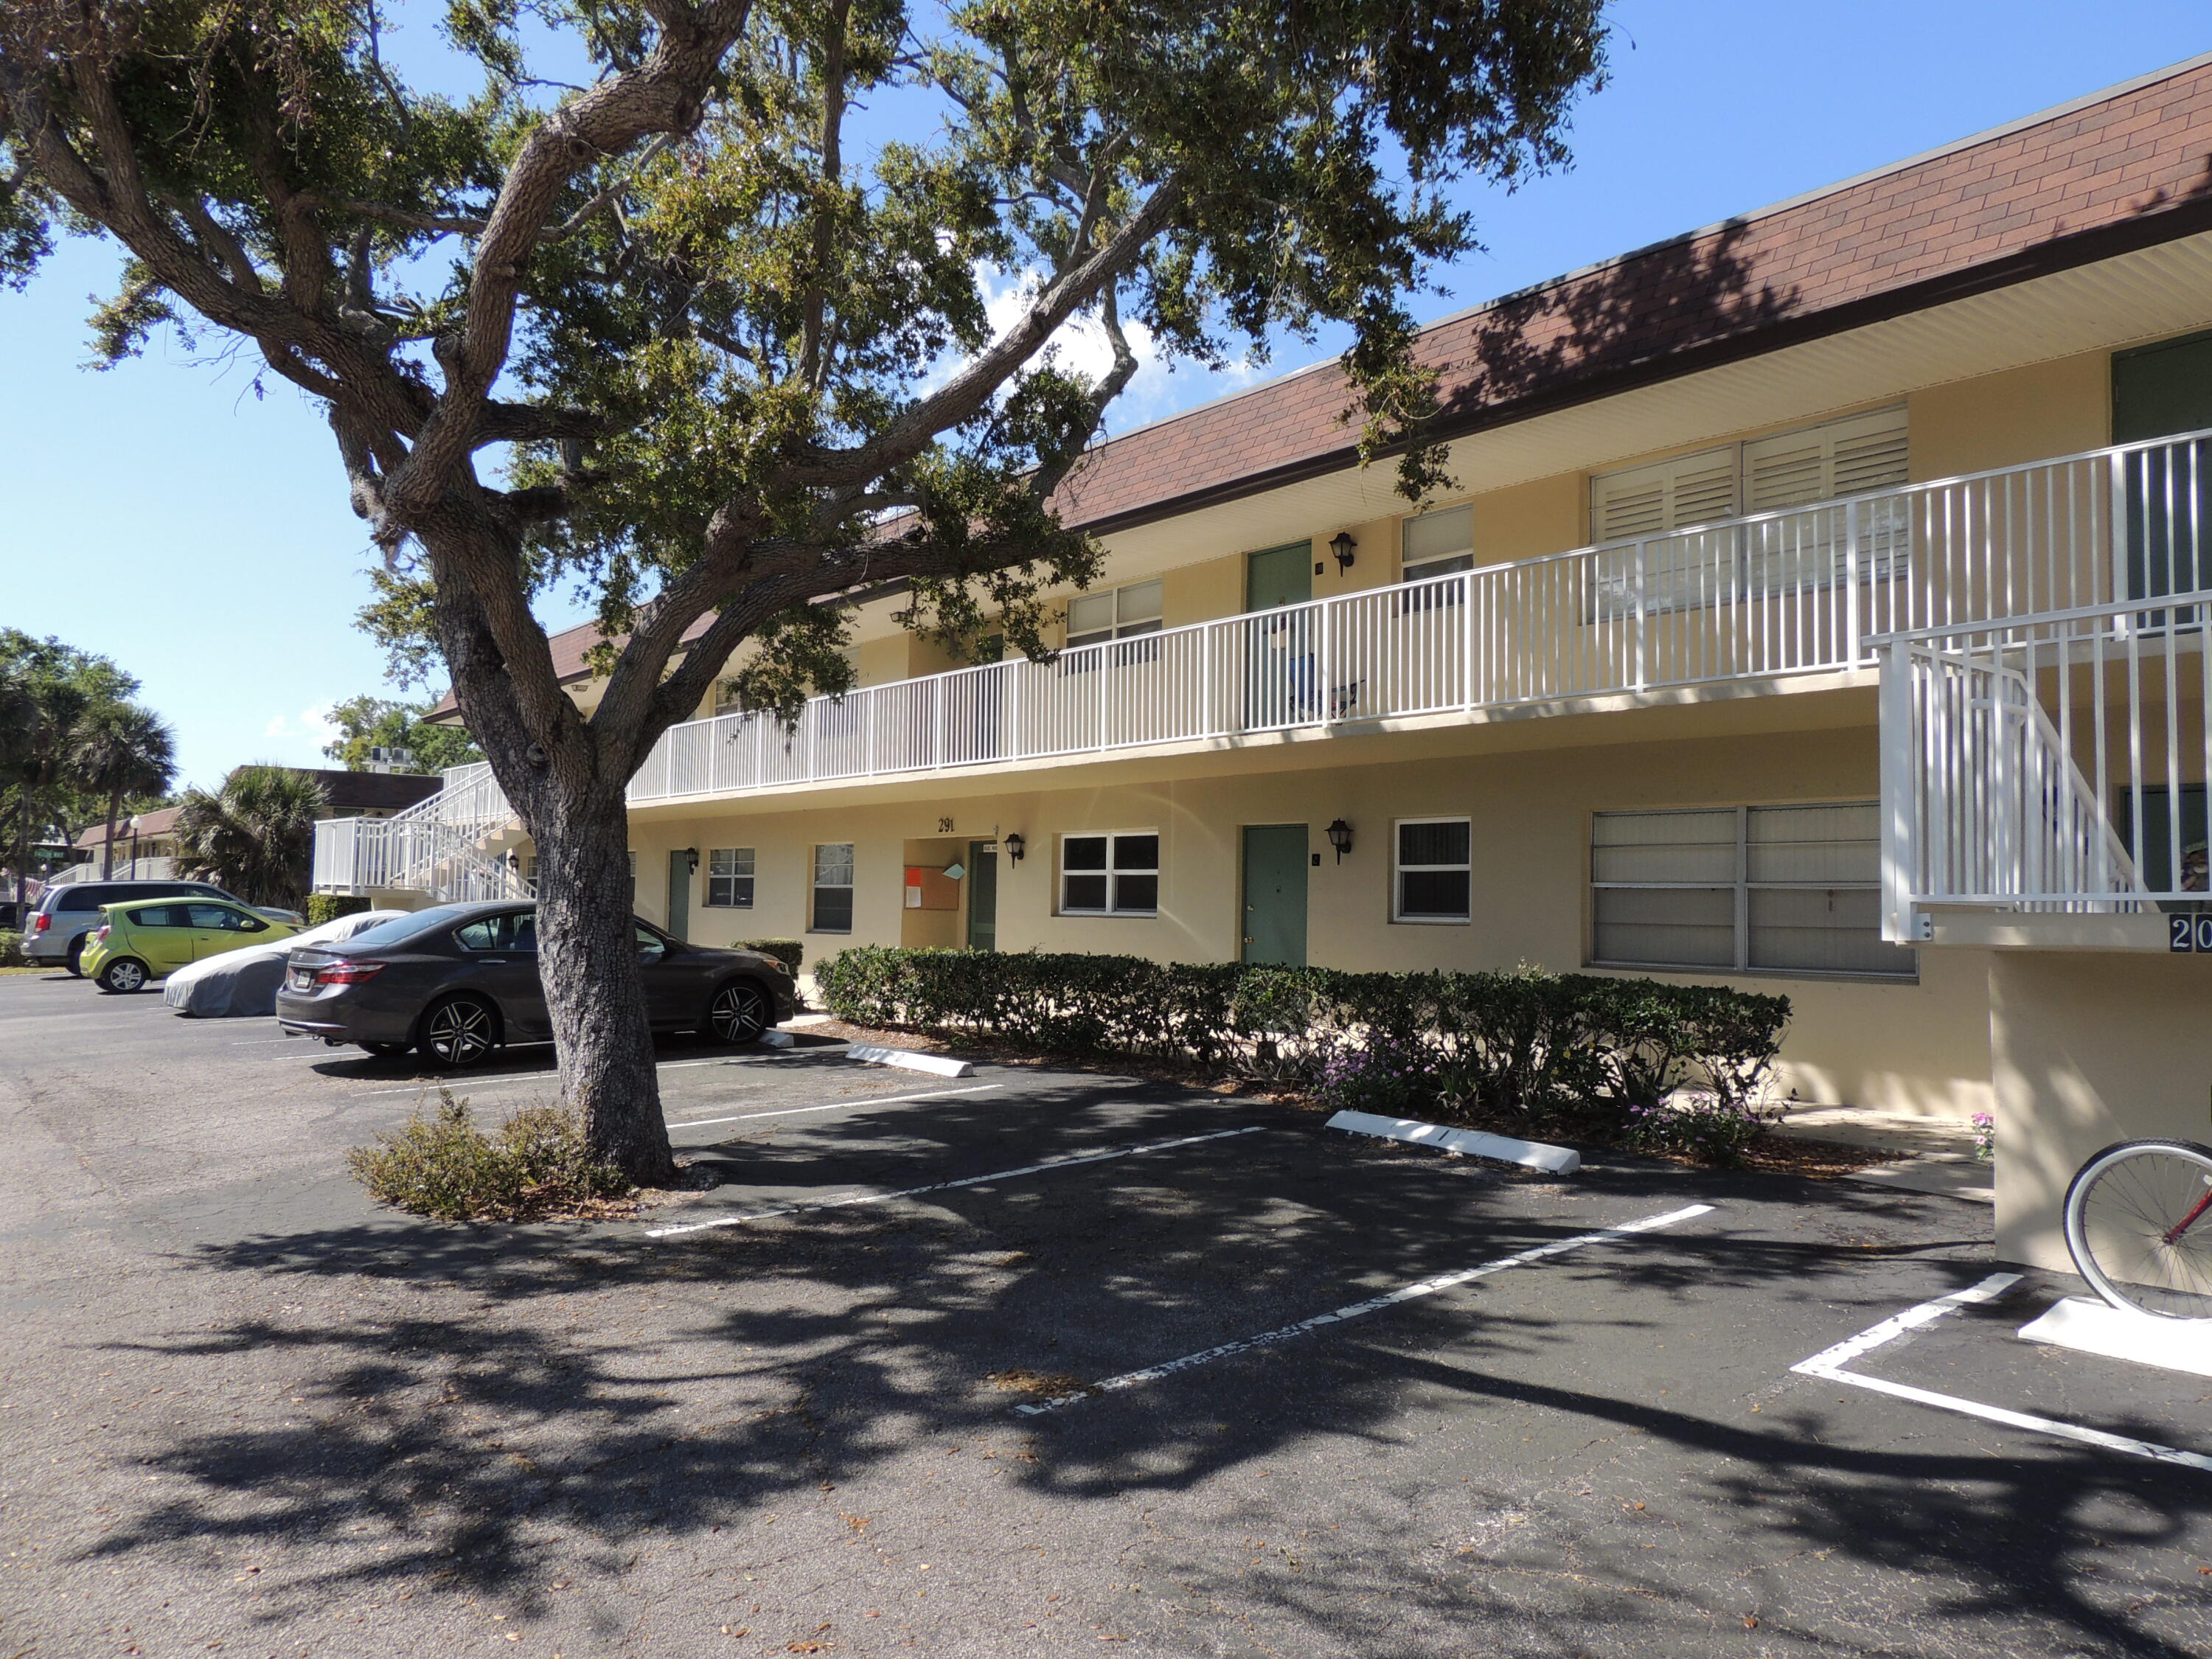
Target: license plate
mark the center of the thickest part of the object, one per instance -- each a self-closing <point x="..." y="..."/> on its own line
<point x="303" y="979"/>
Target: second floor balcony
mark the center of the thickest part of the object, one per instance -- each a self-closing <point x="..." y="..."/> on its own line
<point x="1763" y="597"/>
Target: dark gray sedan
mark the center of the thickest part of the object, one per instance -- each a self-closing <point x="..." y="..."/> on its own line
<point x="460" y="981"/>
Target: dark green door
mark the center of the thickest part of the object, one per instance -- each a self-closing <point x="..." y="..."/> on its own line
<point x="2157" y="391"/>
<point x="983" y="896"/>
<point x="1279" y="663"/>
<point x="679" y="893"/>
<point x="1275" y="864"/>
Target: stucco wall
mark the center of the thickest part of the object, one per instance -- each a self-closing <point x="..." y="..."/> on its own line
<point x="1918" y="1046"/>
<point x="2087" y="1050"/>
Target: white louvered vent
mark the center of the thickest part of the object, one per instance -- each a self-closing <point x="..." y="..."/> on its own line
<point x="1645" y="500"/>
<point x="1843" y="457"/>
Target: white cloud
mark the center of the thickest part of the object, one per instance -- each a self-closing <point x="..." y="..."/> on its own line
<point x="312" y="725"/>
<point x="1157" y="389"/>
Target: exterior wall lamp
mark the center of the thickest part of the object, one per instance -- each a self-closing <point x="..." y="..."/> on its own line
<point x="1339" y="837"/>
<point x="1341" y="544"/>
<point x="1013" y="845"/>
<point x="514" y="862"/>
<point x="692" y="854"/>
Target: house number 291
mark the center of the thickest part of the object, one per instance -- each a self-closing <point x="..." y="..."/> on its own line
<point x="945" y="828"/>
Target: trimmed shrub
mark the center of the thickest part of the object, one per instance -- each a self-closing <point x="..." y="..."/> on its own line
<point x="1710" y="1129"/>
<point x="11" y="950"/>
<point x="1528" y="1043"/>
<point x="789" y="951"/>
<point x="441" y="1165"/>
<point x="329" y="907"/>
<point x="1388" y="1081"/>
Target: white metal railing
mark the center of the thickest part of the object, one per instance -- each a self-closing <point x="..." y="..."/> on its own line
<point x="128" y="870"/>
<point x="1799" y="591"/>
<point x="435" y="845"/>
<point x="2050" y="762"/>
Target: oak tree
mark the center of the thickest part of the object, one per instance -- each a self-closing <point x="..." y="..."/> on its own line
<point x="707" y="332"/>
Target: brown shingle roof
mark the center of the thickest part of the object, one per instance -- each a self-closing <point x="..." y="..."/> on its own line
<point x="2124" y="170"/>
<point x="2116" y="172"/>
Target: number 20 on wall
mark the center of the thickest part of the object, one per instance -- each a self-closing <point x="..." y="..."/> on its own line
<point x="2189" y="934"/>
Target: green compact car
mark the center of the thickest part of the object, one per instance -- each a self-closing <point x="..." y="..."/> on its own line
<point x="144" y="939"/>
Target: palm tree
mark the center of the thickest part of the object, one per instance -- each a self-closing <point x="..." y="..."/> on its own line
<point x="255" y="836"/>
<point x="123" y="748"/>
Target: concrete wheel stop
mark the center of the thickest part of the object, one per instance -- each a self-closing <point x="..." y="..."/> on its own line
<point x="1500" y="1149"/>
<point x="2097" y="1328"/>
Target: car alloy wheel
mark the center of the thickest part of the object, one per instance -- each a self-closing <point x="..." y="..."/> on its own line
<point x="740" y="1012"/>
<point x="460" y="1033"/>
<point x="123" y="975"/>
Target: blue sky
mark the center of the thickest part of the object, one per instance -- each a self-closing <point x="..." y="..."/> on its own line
<point x="164" y="515"/>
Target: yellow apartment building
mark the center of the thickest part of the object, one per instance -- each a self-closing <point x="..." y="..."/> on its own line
<point x="1821" y="610"/>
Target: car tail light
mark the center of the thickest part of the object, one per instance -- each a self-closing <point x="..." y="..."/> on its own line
<point x="100" y="932"/>
<point x="347" y="973"/>
<point x="45" y="922"/>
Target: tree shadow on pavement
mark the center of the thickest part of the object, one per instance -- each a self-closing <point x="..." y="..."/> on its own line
<point x="480" y="1398"/>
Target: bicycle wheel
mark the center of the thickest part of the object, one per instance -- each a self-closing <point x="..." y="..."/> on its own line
<point x="2139" y="1225"/>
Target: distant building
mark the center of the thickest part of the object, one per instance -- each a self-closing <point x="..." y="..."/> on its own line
<point x="149" y="839"/>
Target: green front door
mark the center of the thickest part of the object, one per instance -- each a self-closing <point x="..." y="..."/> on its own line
<point x="1275" y="865"/>
<point x="982" y="896"/>
<point x="1279" y="654"/>
<point x="679" y="893"/>
<point x="2158" y="390"/>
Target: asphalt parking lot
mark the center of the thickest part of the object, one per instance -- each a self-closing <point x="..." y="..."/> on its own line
<point x="1022" y="1363"/>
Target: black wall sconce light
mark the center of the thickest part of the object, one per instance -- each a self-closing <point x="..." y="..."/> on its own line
<point x="1013" y="845"/>
<point x="1339" y="837"/>
<point x="1341" y="544"/>
<point x="514" y="862"/>
<point x="692" y="854"/>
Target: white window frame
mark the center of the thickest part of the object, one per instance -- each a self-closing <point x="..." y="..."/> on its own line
<point x="1436" y="564"/>
<point x="1740" y="887"/>
<point x="1400" y="869"/>
<point x="815" y="886"/>
<point x="1124" y="625"/>
<point x="1112" y="872"/>
<point x="739" y="878"/>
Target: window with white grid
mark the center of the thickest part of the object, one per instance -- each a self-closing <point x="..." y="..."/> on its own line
<point x="833" y="888"/>
<point x="730" y="878"/>
<point x="1433" y="875"/>
<point x="1110" y="875"/>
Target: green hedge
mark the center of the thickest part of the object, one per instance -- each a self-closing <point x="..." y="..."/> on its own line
<point x="11" y="950"/>
<point x="329" y="907"/>
<point x="1523" y="1042"/>
<point x="789" y="951"/>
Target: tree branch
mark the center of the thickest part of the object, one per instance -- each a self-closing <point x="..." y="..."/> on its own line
<point x="972" y="388"/>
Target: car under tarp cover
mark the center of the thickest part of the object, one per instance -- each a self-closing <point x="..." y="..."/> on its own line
<point x="244" y="982"/>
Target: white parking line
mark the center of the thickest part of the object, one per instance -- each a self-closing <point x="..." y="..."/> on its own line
<point x="1046" y="1166"/>
<point x="1373" y="1304"/>
<point x="455" y="1080"/>
<point x="1828" y="1363"/>
<point x="833" y="1105"/>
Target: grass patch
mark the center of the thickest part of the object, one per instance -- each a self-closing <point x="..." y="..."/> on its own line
<point x="534" y="1167"/>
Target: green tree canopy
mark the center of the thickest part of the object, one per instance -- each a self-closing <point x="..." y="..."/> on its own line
<point x="369" y="722"/>
<point x="121" y="750"/>
<point x="47" y="690"/>
<point x="255" y="836"/>
<point x="706" y="333"/>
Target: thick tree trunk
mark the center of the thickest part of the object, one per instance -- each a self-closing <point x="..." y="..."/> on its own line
<point x="566" y="781"/>
<point x="587" y="947"/>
